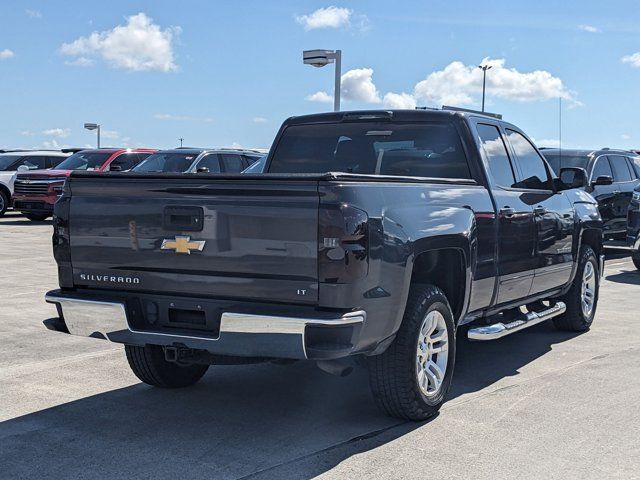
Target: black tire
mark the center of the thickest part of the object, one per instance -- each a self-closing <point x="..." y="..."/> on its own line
<point x="35" y="217"/>
<point x="574" y="319"/>
<point x="393" y="374"/>
<point x="149" y="365"/>
<point x="4" y="202"/>
<point x="635" y="256"/>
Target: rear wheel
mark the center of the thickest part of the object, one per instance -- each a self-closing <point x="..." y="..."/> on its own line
<point x="635" y="256"/>
<point x="149" y="365"/>
<point x="35" y="217"/>
<point x="582" y="297"/>
<point x="4" y="202"/>
<point x="412" y="377"/>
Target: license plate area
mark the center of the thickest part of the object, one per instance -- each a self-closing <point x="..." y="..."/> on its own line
<point x="185" y="316"/>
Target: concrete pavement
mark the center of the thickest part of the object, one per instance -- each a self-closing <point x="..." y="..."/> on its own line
<point x="538" y="404"/>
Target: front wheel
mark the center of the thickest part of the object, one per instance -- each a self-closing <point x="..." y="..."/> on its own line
<point x="412" y="377"/>
<point x="635" y="256"/>
<point x="149" y="365"/>
<point x="582" y="297"/>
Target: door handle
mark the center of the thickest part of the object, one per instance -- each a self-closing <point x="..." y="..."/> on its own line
<point x="539" y="210"/>
<point x="507" y="212"/>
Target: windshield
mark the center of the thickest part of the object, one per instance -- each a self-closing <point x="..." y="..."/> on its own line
<point x="257" y="166"/>
<point x="559" y="162"/>
<point x="6" y="161"/>
<point x="167" y="162"/>
<point x="429" y="149"/>
<point x="84" y="161"/>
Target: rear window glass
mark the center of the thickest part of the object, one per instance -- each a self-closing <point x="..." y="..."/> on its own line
<point x="166" y="162"/>
<point x="559" y="161"/>
<point x="84" y="161"/>
<point x="378" y="148"/>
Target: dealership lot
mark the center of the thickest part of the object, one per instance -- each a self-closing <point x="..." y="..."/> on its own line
<point x="539" y="404"/>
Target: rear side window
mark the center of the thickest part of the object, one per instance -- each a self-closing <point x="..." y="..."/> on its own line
<point x="602" y="168"/>
<point x="532" y="168"/>
<point x="35" y="163"/>
<point x="55" y="161"/>
<point x="232" y="163"/>
<point x="499" y="164"/>
<point x="168" y="162"/>
<point x="126" y="161"/>
<point x="635" y="162"/>
<point x="620" y="168"/>
<point x="373" y="148"/>
<point x="210" y="162"/>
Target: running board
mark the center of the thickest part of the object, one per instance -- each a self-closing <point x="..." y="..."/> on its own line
<point x="499" y="330"/>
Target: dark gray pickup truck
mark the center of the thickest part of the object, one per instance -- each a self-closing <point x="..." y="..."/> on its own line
<point x="371" y="239"/>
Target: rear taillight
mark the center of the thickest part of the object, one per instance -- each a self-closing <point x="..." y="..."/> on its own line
<point x="343" y="250"/>
<point x="60" y="239"/>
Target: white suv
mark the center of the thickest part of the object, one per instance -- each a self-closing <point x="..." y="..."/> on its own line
<point x="22" y="160"/>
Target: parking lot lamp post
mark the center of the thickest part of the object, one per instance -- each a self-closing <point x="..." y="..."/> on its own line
<point x="93" y="126"/>
<point x="484" y="69"/>
<point x="320" y="58"/>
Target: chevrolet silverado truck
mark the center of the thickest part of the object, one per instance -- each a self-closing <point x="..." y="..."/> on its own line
<point x="371" y="238"/>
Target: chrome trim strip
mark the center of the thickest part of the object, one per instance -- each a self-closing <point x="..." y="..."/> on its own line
<point x="250" y="323"/>
<point x="499" y="330"/>
<point x="601" y="266"/>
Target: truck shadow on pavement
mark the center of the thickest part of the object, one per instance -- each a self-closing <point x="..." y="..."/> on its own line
<point x="631" y="277"/>
<point x="261" y="421"/>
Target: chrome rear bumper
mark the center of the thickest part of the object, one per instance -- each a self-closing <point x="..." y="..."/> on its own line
<point x="240" y="333"/>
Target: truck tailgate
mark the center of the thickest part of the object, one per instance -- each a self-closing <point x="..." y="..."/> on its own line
<point x="254" y="239"/>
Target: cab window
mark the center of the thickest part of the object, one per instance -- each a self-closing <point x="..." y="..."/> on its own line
<point x="602" y="168"/>
<point x="211" y="162"/>
<point x="499" y="164"/>
<point x="533" y="171"/>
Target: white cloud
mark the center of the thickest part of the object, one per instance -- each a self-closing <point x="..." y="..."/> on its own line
<point x="329" y="17"/>
<point x="181" y="118"/>
<point x="137" y="46"/>
<point x="259" y="120"/>
<point x="357" y="85"/>
<point x="57" y="132"/>
<point x="399" y="101"/>
<point x="320" y="97"/>
<point x="589" y="28"/>
<point x="51" y="145"/>
<point x="6" y="54"/>
<point x="81" y="62"/>
<point x="547" y="142"/>
<point x="625" y="136"/>
<point x="109" y="134"/>
<point x="459" y="84"/>
<point x="27" y="133"/>
<point x="33" y="13"/>
<point x="633" y="59"/>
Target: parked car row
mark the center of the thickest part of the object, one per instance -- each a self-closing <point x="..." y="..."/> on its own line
<point x="612" y="177"/>
<point x="33" y="181"/>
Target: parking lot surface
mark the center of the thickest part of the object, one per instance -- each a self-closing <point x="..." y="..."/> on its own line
<point x="537" y="404"/>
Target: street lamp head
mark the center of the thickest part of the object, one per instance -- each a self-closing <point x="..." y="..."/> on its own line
<point x="318" y="58"/>
<point x="91" y="126"/>
<point x="485" y="67"/>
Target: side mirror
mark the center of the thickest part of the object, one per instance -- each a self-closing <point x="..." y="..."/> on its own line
<point x="202" y="170"/>
<point x="115" y="168"/>
<point x="573" y="177"/>
<point x="602" y="180"/>
<point x="23" y="168"/>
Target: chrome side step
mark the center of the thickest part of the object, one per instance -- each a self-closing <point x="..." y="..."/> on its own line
<point x="499" y="330"/>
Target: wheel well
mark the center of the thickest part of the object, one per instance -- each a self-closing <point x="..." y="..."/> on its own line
<point x="593" y="238"/>
<point x="5" y="190"/>
<point x="444" y="268"/>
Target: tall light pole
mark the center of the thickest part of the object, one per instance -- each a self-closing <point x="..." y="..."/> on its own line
<point x="484" y="69"/>
<point x="181" y="139"/>
<point x="93" y="126"/>
<point x="320" y="58"/>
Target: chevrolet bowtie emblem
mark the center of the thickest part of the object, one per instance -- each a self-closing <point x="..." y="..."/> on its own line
<point x="182" y="244"/>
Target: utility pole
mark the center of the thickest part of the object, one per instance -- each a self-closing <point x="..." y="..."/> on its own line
<point x="484" y="69"/>
<point x="181" y="139"/>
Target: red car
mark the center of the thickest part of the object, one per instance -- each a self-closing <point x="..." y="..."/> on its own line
<point x="35" y="192"/>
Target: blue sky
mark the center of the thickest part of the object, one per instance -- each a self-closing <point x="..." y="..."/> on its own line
<point x="222" y="73"/>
